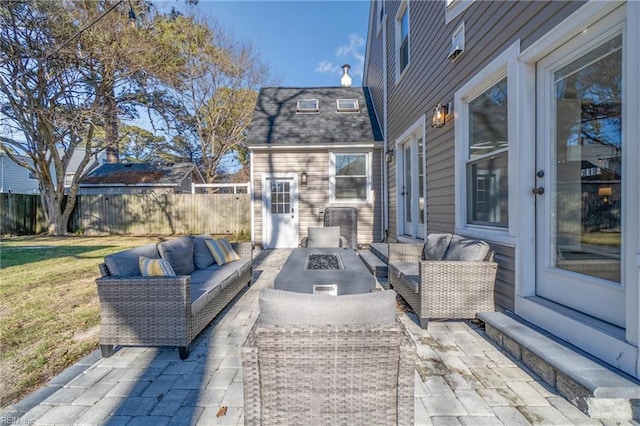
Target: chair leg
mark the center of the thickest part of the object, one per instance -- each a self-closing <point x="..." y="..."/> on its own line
<point x="107" y="350"/>
<point x="424" y="322"/>
<point x="183" y="351"/>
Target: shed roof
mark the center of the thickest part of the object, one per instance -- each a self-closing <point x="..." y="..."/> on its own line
<point x="276" y="121"/>
<point x="139" y="174"/>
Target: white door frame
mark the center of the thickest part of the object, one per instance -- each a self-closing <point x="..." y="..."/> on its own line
<point x="620" y="351"/>
<point x="266" y="204"/>
<point x="415" y="132"/>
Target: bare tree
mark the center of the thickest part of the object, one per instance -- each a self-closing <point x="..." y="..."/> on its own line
<point x="48" y="99"/>
<point x="215" y="92"/>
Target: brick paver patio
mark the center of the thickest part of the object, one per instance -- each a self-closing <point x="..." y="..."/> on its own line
<point x="461" y="378"/>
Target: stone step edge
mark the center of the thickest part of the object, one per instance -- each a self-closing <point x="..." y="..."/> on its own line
<point x="596" y="389"/>
<point x="377" y="267"/>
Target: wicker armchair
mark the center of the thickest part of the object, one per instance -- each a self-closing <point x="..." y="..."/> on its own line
<point x="328" y="374"/>
<point x="450" y="289"/>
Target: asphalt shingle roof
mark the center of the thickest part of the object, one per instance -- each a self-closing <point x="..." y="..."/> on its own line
<point x="275" y="120"/>
<point x="139" y="174"/>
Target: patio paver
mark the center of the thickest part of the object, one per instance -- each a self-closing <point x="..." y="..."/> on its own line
<point x="461" y="378"/>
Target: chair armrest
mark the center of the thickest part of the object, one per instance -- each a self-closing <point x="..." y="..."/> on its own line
<point x="399" y="252"/>
<point x="461" y="274"/>
<point x="168" y="297"/>
<point x="244" y="249"/>
<point x="251" y="378"/>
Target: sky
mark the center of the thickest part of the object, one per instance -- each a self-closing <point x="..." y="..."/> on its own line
<point x="305" y="43"/>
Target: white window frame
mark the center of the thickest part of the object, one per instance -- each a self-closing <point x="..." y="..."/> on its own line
<point x="415" y="132"/>
<point x="306" y="110"/>
<point x="505" y="65"/>
<point x="355" y="107"/>
<point x="454" y="8"/>
<point x="404" y="7"/>
<point x="332" y="177"/>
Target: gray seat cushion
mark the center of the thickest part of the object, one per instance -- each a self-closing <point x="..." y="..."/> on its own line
<point x="205" y="285"/>
<point x="466" y="249"/>
<point x="436" y="246"/>
<point x="179" y="253"/>
<point x="202" y="256"/>
<point x="323" y="236"/>
<point x="126" y="263"/>
<point x="280" y="307"/>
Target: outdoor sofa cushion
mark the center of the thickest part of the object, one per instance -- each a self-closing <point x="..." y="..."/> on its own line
<point x="221" y="250"/>
<point x="327" y="237"/>
<point x="126" y="263"/>
<point x="467" y="249"/>
<point x="280" y="307"/>
<point x="155" y="267"/>
<point x="436" y="246"/>
<point x="207" y="283"/>
<point x="179" y="253"/>
<point x="202" y="256"/>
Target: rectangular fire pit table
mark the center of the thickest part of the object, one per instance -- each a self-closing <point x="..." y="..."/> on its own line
<point x="334" y="271"/>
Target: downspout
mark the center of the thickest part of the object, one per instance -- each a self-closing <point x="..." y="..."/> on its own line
<point x="251" y="206"/>
<point x="385" y="132"/>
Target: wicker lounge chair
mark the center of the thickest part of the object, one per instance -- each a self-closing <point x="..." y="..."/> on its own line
<point x="448" y="277"/>
<point x="344" y="366"/>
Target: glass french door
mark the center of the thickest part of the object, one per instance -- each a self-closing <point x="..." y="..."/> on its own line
<point x="578" y="190"/>
<point x="412" y="190"/>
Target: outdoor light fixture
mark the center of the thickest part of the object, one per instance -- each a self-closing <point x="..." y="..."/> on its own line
<point x="388" y="156"/>
<point x="439" y="114"/>
<point x="604" y="193"/>
<point x="303" y="179"/>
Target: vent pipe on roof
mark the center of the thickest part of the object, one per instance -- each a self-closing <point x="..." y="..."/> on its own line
<point x="345" y="81"/>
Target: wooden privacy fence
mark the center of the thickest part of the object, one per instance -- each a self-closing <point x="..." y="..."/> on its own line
<point x="162" y="214"/>
<point x="21" y="214"/>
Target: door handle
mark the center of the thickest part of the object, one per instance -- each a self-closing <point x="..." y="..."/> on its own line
<point x="538" y="191"/>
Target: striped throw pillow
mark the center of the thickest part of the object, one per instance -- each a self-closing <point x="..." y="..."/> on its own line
<point x="155" y="267"/>
<point x="222" y="251"/>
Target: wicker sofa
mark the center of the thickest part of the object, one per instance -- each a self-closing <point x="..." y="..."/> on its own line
<point x="138" y="310"/>
<point x="448" y="277"/>
<point x="323" y="360"/>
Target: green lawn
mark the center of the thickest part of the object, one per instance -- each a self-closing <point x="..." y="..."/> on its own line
<point x="49" y="310"/>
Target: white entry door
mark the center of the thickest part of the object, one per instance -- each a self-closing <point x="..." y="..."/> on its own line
<point x="580" y="180"/>
<point x="280" y="218"/>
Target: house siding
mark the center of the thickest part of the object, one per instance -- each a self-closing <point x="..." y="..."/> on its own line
<point x="315" y="196"/>
<point x="15" y="178"/>
<point x="490" y="27"/>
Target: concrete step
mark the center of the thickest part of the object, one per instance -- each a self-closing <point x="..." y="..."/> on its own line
<point x="377" y="267"/>
<point x="594" y="387"/>
<point x="381" y="250"/>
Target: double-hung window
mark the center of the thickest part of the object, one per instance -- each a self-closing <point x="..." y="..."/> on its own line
<point x="402" y="39"/>
<point x="485" y="131"/>
<point x="350" y="177"/>
<point x="487" y="158"/>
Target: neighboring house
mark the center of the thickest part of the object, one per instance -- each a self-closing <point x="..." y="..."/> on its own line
<point x="14" y="178"/>
<point x="312" y="148"/>
<point x="18" y="180"/>
<point x="141" y="178"/>
<point x="538" y="153"/>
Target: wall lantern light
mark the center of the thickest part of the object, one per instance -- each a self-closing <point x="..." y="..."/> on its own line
<point x="604" y="193"/>
<point x="388" y="156"/>
<point x="303" y="179"/>
<point x="439" y="115"/>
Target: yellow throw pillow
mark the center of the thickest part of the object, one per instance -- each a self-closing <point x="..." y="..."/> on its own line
<point x="155" y="267"/>
<point x="222" y="251"/>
